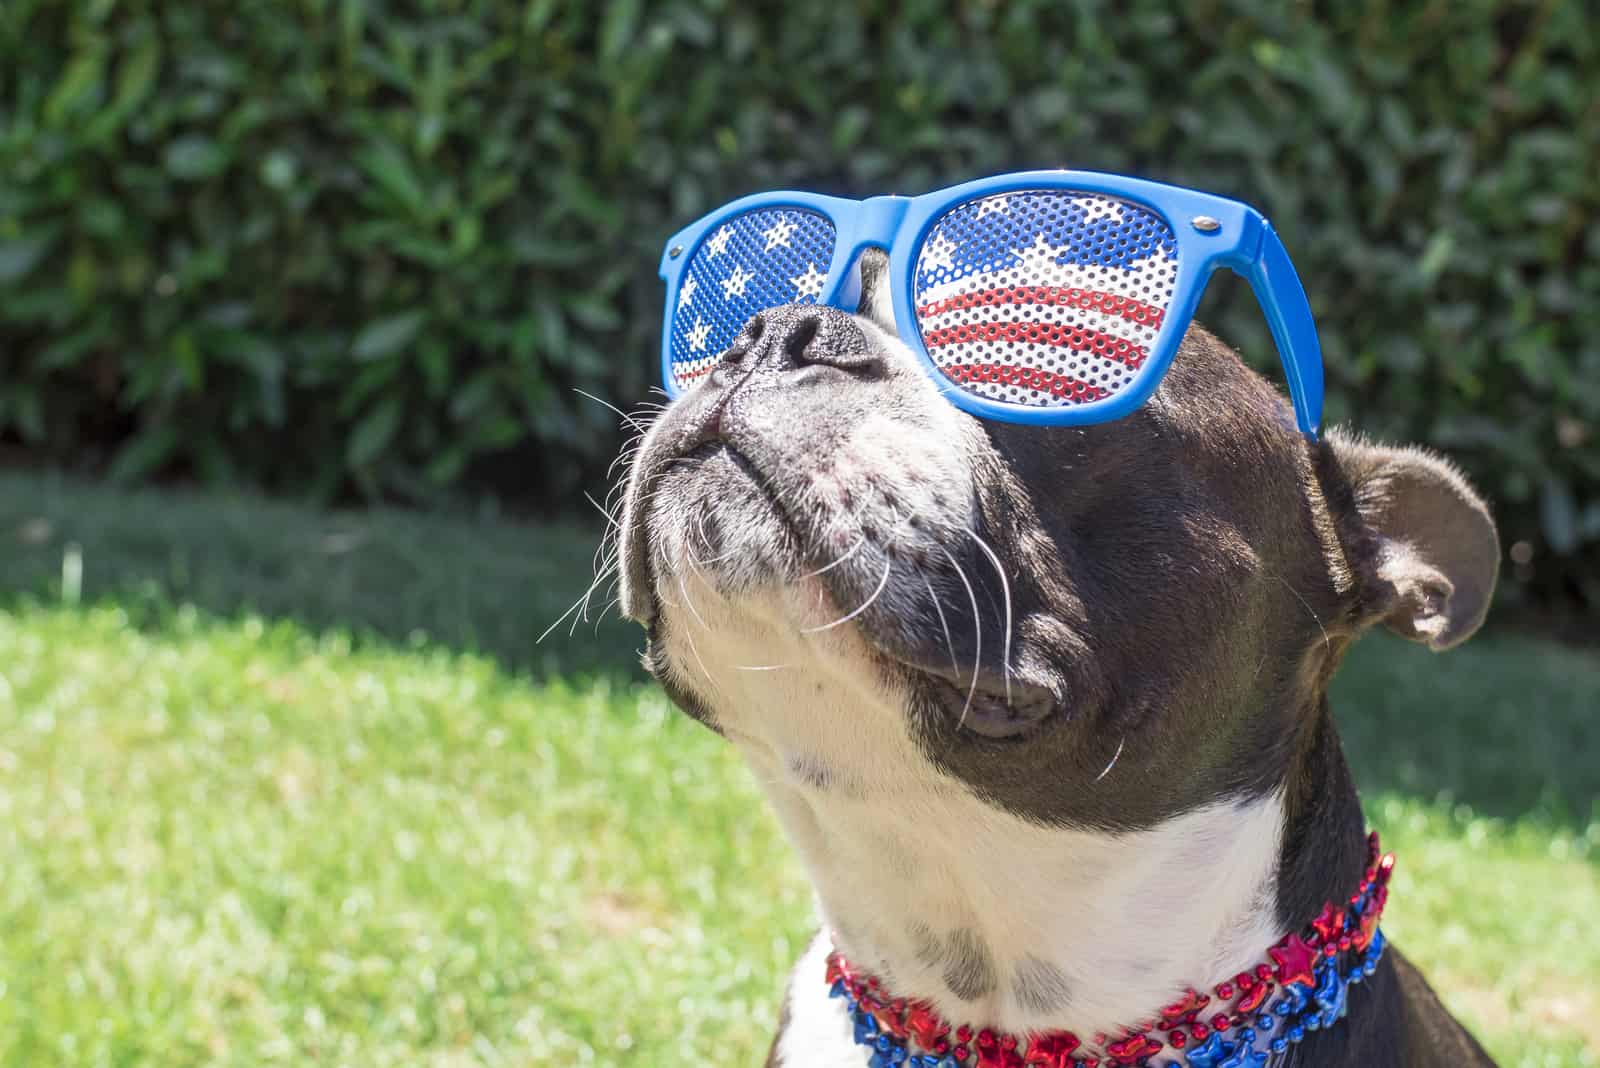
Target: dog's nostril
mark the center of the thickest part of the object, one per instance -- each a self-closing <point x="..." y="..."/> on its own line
<point x="748" y="339"/>
<point x="801" y="337"/>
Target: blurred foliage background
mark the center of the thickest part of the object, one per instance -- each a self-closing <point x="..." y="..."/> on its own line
<point x="339" y="248"/>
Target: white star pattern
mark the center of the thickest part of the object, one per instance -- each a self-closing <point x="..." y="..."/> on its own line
<point x="719" y="241"/>
<point x="1097" y="208"/>
<point x="697" y="336"/>
<point x="809" y="284"/>
<point x="686" y="292"/>
<point x="778" y="234"/>
<point x="994" y="206"/>
<point x="1040" y="254"/>
<point x="939" y="252"/>
<point x="733" y="285"/>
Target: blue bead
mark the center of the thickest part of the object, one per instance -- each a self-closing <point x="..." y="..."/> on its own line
<point x="1210" y="1053"/>
<point x="1278" y="1045"/>
<point x="1296" y="1033"/>
<point x="1265" y="1021"/>
<point x="837" y="989"/>
<point x="884" y="1043"/>
<point x="866" y="1028"/>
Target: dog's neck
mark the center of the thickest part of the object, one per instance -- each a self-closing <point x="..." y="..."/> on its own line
<point x="989" y="917"/>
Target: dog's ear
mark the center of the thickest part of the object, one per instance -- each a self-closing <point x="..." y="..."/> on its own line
<point x="1420" y="540"/>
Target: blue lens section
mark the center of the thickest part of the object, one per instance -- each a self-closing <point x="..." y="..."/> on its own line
<point x="749" y="263"/>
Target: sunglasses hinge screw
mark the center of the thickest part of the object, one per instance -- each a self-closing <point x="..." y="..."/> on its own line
<point x="675" y="251"/>
<point x="1205" y="224"/>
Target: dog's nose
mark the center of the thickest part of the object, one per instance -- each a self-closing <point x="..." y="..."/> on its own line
<point x="794" y="336"/>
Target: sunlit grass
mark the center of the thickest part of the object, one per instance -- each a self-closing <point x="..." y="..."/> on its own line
<point x="228" y="839"/>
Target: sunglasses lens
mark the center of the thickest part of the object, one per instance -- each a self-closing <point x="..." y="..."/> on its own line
<point x="1046" y="298"/>
<point x="753" y="261"/>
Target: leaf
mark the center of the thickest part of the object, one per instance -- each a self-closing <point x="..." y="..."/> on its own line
<point x="374" y="432"/>
<point x="22" y="255"/>
<point x="144" y="454"/>
<point x="1558" y="516"/>
<point x="193" y="157"/>
<point x="387" y="336"/>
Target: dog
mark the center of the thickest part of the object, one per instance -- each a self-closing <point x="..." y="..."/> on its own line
<point x="1044" y="710"/>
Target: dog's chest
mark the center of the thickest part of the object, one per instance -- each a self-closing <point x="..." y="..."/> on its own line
<point x="949" y="898"/>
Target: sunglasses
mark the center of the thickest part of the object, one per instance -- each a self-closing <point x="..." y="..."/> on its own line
<point x="1055" y="298"/>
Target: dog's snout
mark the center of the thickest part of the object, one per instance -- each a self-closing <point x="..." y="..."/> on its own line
<point x="795" y="336"/>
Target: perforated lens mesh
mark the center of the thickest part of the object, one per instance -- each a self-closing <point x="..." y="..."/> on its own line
<point x="752" y="262"/>
<point x="1045" y="298"/>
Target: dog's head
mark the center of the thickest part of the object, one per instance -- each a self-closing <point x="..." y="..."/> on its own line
<point x="1023" y="608"/>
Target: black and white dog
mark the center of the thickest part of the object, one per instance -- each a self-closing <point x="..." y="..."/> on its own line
<point x="1044" y="710"/>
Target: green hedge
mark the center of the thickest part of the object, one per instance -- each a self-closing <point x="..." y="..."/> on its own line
<point x="335" y="245"/>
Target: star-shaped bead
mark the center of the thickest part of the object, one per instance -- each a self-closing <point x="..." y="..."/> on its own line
<point x="697" y="336"/>
<point x="1051" y="1050"/>
<point x="1329" y="922"/>
<point x="1294" y="959"/>
<point x="1243" y="1056"/>
<point x="997" y="205"/>
<point x="1210" y="1053"/>
<point x="809" y="284"/>
<point x="719" y="241"/>
<point x="686" y="292"/>
<point x="733" y="285"/>
<point x="778" y="234"/>
<point x="939" y="252"/>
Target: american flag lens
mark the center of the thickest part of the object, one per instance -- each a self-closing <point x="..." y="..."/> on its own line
<point x="1044" y="298"/>
<point x="747" y="264"/>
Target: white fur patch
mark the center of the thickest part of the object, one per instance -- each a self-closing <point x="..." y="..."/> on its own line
<point x="818" y="1033"/>
<point x="1128" y="921"/>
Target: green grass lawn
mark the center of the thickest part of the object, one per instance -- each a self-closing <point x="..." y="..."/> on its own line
<point x="286" y="788"/>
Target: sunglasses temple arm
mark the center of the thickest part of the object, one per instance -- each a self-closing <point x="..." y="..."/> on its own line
<point x="1283" y="301"/>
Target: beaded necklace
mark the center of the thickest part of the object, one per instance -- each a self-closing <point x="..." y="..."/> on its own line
<point x="1259" y="1013"/>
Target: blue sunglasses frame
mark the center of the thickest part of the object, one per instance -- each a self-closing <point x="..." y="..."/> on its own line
<point x="1210" y="231"/>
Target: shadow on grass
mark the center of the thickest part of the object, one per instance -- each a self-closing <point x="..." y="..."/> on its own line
<point x="484" y="586"/>
<point x="1505" y="725"/>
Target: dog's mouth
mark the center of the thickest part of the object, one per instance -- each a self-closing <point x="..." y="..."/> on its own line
<point x="933" y="608"/>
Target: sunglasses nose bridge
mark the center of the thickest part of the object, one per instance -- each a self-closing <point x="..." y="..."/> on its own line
<point x="876" y="223"/>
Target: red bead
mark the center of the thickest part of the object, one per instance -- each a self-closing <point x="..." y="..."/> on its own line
<point x="1220" y="1022"/>
<point x="927" y="1025"/>
<point x="1251" y="999"/>
<point x="960" y="1053"/>
<point x="1134" y="1049"/>
<point x="963" y="1033"/>
<point x="1199" y="1032"/>
<point x="1225" y="990"/>
<point x="1331" y="949"/>
<point x="1184" y="1009"/>
<point x="1344" y="942"/>
<point x="942" y="1047"/>
<point x="1008" y="1042"/>
<point x="1177" y="1039"/>
<point x="1329" y="922"/>
<point x="1244" y="980"/>
<point x="1294" y="959"/>
<point x="1051" y="1050"/>
<point x="1263" y="971"/>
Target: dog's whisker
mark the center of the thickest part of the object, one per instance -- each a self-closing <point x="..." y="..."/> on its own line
<point x="689" y="638"/>
<point x="683" y="587"/>
<point x="611" y="520"/>
<point x="761" y="667"/>
<point x="977" y="637"/>
<point x="1114" y="758"/>
<point x="888" y="566"/>
<point x="1005" y="586"/>
<point x="949" y="642"/>
<point x="1327" y="645"/>
<point x="862" y="540"/>
<point x="626" y="417"/>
